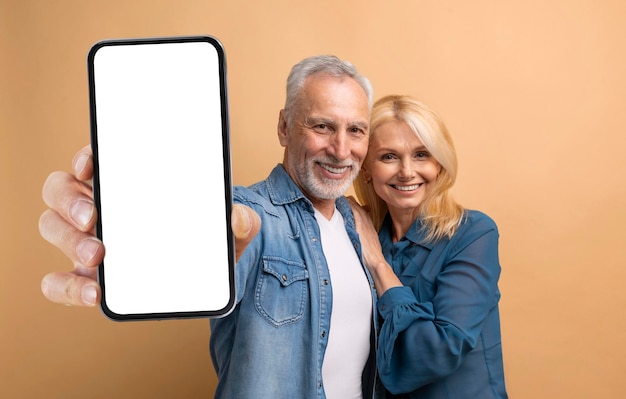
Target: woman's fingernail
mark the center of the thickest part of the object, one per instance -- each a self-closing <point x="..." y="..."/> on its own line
<point x="89" y="295"/>
<point x="82" y="213"/>
<point x="87" y="249"/>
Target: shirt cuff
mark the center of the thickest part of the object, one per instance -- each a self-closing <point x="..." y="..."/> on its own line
<point x="394" y="297"/>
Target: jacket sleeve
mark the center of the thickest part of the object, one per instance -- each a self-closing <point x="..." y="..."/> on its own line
<point x="422" y="342"/>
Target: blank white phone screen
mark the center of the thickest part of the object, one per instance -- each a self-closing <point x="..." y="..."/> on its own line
<point x="162" y="179"/>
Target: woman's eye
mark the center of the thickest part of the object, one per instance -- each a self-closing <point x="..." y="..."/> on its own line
<point x="388" y="157"/>
<point x="422" y="154"/>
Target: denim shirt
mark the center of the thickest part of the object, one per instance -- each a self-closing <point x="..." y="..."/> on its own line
<point x="440" y="338"/>
<point x="272" y="345"/>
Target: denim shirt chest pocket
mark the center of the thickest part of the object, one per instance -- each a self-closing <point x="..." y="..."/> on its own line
<point x="282" y="290"/>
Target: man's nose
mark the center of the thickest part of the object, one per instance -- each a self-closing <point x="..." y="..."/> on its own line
<point x="339" y="146"/>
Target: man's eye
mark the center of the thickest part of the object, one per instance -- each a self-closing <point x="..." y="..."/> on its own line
<point x="322" y="127"/>
<point x="358" y="131"/>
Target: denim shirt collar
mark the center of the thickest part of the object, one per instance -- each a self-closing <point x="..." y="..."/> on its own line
<point x="283" y="190"/>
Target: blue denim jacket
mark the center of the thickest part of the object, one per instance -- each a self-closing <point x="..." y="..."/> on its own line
<point x="272" y="344"/>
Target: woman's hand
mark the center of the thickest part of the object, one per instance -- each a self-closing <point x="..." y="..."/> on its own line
<point x="381" y="271"/>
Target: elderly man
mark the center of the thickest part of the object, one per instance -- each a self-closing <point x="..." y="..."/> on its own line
<point x="304" y="324"/>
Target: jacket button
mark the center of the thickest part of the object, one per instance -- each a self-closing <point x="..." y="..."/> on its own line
<point x="325" y="281"/>
<point x="284" y="277"/>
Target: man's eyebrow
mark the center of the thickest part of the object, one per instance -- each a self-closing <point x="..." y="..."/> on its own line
<point x="313" y="120"/>
<point x="317" y="120"/>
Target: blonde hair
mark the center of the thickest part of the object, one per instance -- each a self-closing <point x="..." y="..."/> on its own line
<point x="439" y="212"/>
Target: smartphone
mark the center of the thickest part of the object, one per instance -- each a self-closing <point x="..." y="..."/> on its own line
<point x="162" y="179"/>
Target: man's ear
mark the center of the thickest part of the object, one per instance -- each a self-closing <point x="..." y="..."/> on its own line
<point x="282" y="128"/>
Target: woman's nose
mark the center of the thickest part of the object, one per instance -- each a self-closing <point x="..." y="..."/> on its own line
<point x="406" y="170"/>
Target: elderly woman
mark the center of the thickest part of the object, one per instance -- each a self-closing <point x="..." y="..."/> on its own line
<point x="435" y="264"/>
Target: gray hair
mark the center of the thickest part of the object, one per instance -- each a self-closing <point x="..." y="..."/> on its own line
<point x="328" y="64"/>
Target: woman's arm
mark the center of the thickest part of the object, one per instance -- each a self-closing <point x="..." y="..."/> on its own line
<point x="427" y="337"/>
<point x="382" y="273"/>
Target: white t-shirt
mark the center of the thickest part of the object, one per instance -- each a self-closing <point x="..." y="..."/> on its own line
<point x="351" y="316"/>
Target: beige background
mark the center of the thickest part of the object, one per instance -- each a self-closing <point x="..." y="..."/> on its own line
<point x="533" y="92"/>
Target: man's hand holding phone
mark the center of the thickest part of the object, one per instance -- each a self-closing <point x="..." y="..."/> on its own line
<point x="69" y="223"/>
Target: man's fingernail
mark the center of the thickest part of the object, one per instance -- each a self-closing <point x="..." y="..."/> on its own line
<point x="81" y="212"/>
<point x="86" y="249"/>
<point x="80" y="163"/>
<point x="242" y="223"/>
<point x="88" y="295"/>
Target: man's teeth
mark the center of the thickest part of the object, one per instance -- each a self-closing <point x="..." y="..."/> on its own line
<point x="407" y="188"/>
<point x="334" y="170"/>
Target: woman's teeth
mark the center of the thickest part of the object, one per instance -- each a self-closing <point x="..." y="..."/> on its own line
<point x="407" y="188"/>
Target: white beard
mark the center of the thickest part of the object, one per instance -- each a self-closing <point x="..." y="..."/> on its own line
<point x="320" y="187"/>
